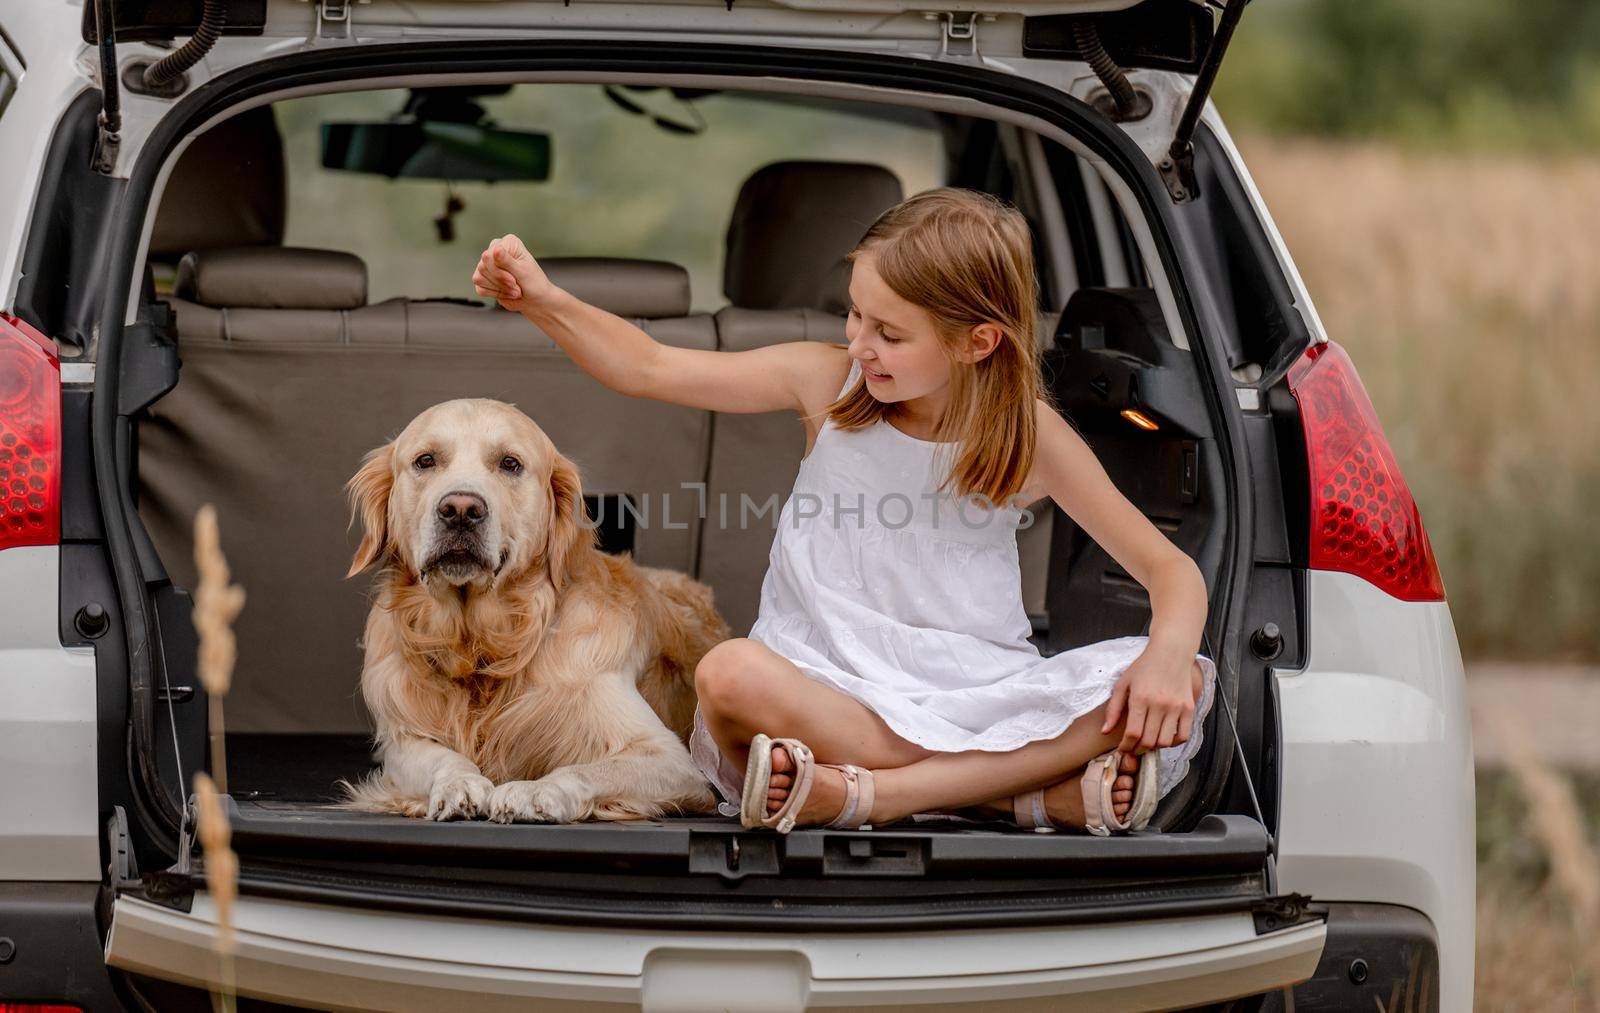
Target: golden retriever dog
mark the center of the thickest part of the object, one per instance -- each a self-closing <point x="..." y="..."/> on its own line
<point x="513" y="669"/>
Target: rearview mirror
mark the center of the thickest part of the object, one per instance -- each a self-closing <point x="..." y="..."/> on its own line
<point x="433" y="149"/>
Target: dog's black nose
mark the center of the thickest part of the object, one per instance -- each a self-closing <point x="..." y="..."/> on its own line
<point x="463" y="510"/>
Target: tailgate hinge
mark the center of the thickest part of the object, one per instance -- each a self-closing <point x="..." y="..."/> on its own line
<point x="171" y="887"/>
<point x="958" y="35"/>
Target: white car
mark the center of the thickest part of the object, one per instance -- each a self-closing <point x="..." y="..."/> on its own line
<point x="281" y="220"/>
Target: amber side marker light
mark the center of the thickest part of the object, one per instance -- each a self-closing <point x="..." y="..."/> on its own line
<point x="1140" y="419"/>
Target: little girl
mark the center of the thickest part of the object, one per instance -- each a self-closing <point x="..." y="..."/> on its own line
<point x="889" y="671"/>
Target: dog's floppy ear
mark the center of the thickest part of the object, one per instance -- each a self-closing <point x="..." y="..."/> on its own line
<point x="568" y="531"/>
<point x="369" y="500"/>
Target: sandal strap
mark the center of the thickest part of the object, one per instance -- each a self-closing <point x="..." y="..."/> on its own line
<point x="1028" y="811"/>
<point x="1099" y="818"/>
<point x="805" y="769"/>
<point x="860" y="792"/>
<point x="1146" y="791"/>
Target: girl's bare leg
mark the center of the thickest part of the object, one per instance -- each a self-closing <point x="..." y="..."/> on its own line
<point x="746" y="688"/>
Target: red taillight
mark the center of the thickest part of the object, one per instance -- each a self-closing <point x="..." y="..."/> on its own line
<point x="1363" y="519"/>
<point x="30" y="436"/>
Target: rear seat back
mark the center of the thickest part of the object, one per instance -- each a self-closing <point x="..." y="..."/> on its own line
<point x="289" y="378"/>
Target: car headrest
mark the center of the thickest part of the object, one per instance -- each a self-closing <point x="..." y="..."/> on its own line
<point x="226" y="190"/>
<point x="272" y="277"/>
<point x="792" y="225"/>
<point x="642" y="289"/>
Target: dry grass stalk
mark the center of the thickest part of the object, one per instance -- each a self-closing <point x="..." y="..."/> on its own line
<point x="216" y="605"/>
<point x="1556" y="821"/>
<point x="222" y="865"/>
<point x="1525" y="961"/>
<point x="222" y="879"/>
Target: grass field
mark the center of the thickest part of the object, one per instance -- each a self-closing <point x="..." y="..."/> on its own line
<point x="1536" y="947"/>
<point x="1538" y="830"/>
<point x="1467" y="289"/>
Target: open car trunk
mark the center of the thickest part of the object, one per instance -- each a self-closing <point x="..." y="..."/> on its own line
<point x="287" y="382"/>
<point x="295" y="707"/>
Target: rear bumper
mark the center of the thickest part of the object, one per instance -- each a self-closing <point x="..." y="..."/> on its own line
<point x="361" y="959"/>
<point x="50" y="948"/>
<point x="1377" y="956"/>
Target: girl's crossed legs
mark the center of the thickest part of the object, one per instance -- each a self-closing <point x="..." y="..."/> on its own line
<point x="746" y="688"/>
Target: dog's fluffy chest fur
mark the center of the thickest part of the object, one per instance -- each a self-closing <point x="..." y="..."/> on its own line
<point x="500" y="686"/>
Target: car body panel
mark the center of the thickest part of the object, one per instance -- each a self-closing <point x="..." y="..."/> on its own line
<point x="48" y="726"/>
<point x="1378" y="794"/>
<point x="44" y="91"/>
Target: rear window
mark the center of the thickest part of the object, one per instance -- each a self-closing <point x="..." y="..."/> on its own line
<point x="620" y="183"/>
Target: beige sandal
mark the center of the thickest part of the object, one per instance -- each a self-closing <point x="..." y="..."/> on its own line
<point x="1098" y="816"/>
<point x="1028" y="810"/>
<point x="859" y="790"/>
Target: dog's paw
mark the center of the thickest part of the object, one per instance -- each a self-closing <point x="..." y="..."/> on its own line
<point x="459" y="797"/>
<point x="540" y="801"/>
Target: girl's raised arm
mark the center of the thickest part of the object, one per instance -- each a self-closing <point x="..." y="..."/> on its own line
<point x="629" y="361"/>
<point x="1158" y="694"/>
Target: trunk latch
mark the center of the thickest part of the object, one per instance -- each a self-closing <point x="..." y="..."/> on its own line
<point x="734" y="856"/>
<point x="333" y="18"/>
<point x="958" y="36"/>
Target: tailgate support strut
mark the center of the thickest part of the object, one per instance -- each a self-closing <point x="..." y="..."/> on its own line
<point x="1177" y="169"/>
<point x="109" y="138"/>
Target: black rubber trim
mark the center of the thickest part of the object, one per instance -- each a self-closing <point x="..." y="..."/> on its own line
<point x="1229" y="844"/>
<point x="1178" y="253"/>
<point x="1168" y="898"/>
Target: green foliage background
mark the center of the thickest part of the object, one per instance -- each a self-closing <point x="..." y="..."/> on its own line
<point x="1484" y="74"/>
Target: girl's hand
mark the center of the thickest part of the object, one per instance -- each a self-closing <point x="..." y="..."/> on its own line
<point x="508" y="273"/>
<point x="1157" y="693"/>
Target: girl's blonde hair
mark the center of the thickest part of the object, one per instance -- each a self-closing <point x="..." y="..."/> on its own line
<point x="965" y="258"/>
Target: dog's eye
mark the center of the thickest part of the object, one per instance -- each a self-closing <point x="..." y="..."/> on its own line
<point x="510" y="465"/>
<point x="423" y="462"/>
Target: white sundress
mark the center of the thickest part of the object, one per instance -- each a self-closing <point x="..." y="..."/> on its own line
<point x="911" y="602"/>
